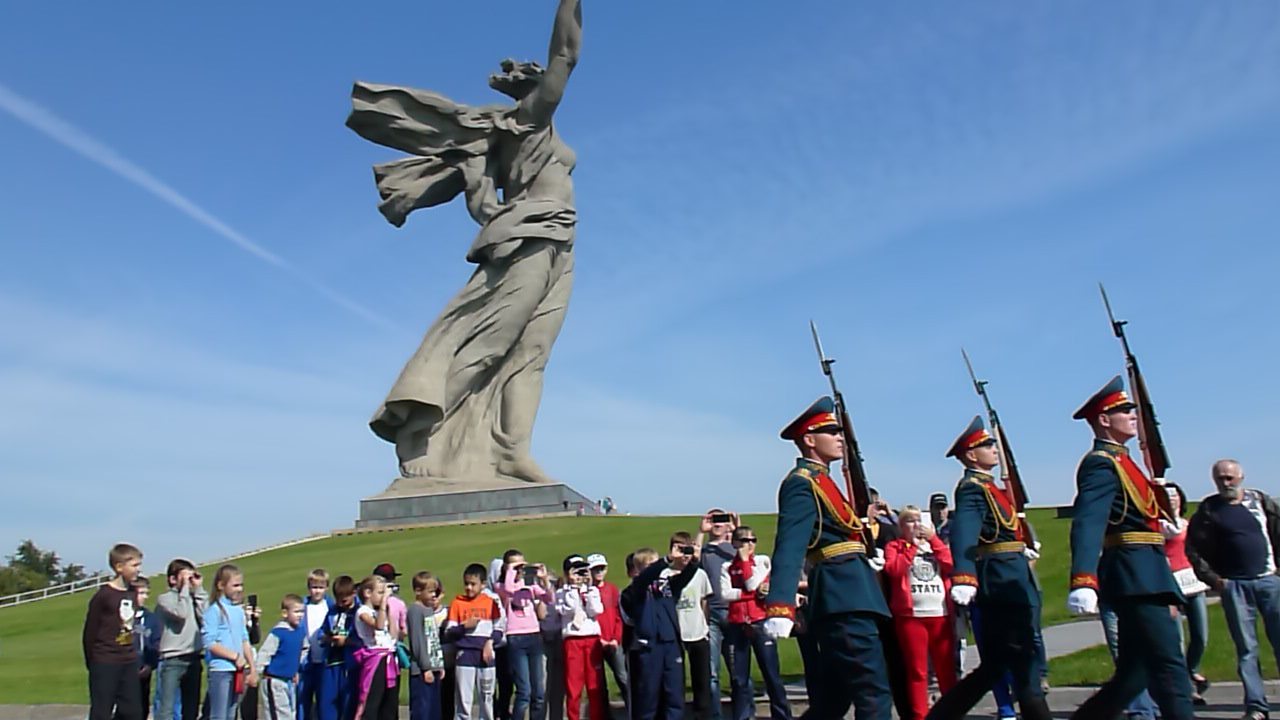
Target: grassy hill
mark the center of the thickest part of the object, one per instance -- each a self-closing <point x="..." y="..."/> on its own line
<point x="40" y="655"/>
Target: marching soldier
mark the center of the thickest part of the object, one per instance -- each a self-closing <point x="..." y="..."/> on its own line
<point x="817" y="523"/>
<point x="1117" y="553"/>
<point x="989" y="546"/>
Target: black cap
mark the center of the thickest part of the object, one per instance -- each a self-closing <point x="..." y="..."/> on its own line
<point x="386" y="570"/>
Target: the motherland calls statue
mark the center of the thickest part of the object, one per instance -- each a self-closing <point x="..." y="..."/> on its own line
<point x="462" y="409"/>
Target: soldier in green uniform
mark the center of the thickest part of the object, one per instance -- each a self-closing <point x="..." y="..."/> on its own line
<point x="816" y="522"/>
<point x="1117" y="552"/>
<point x="989" y="546"/>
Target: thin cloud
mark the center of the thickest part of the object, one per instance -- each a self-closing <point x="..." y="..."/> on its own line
<point x="76" y="140"/>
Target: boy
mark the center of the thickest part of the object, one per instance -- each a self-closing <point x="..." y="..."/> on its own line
<point x="743" y="583"/>
<point x="611" y="625"/>
<point x="279" y="660"/>
<point x="426" y="654"/>
<point x="657" y="669"/>
<point x="109" y="651"/>
<point x="146" y="637"/>
<point x="691" y="611"/>
<point x="579" y="605"/>
<point x="472" y="626"/>
<point x="181" y="646"/>
<point x="315" y="610"/>
<point x="338" y="641"/>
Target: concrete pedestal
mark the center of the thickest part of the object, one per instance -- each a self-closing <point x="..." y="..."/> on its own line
<point x="445" y="504"/>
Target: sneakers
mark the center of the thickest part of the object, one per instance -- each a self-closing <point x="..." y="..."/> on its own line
<point x="1254" y="715"/>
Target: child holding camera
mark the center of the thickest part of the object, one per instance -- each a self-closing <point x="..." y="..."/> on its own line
<point x="521" y="587"/>
<point x="378" y="687"/>
<point x="743" y="584"/>
<point x="657" y="666"/>
<point x="579" y="605"/>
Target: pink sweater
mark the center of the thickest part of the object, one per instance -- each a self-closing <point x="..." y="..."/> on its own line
<point x="518" y="600"/>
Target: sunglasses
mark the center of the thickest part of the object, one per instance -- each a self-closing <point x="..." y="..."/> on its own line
<point x="746" y="539"/>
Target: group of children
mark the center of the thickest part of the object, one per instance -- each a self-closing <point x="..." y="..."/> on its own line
<point x="340" y="652"/>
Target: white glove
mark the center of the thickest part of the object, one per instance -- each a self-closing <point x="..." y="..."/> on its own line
<point x="963" y="594"/>
<point x="1031" y="554"/>
<point x="778" y="627"/>
<point x="1083" y="601"/>
<point x="877" y="561"/>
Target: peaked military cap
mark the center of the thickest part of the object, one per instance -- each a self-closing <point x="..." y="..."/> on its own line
<point x="1111" y="398"/>
<point x="821" y="415"/>
<point x="975" y="435"/>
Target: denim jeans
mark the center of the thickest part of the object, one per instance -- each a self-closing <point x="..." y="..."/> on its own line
<point x="747" y="640"/>
<point x="1197" y="614"/>
<point x="179" y="688"/>
<point x="1242" y="602"/>
<point x="223" y="699"/>
<point x="524" y="655"/>
<point x="1142" y="707"/>
<point x="716" y="622"/>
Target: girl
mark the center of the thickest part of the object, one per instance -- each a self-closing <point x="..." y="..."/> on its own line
<point x="916" y="566"/>
<point x="226" y="642"/>
<point x="1196" y="611"/>
<point x="379" y="681"/>
<point x="524" y="634"/>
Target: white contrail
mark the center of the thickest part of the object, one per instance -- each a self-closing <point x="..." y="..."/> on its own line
<point x="78" y="141"/>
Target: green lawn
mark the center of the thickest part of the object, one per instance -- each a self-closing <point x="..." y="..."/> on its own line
<point x="1093" y="666"/>
<point x="40" y="655"/>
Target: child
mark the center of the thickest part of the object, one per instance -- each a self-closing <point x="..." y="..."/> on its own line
<point x="657" y="667"/>
<point x="521" y="587"/>
<point x="552" y="629"/>
<point x="315" y="611"/>
<point x="610" y="625"/>
<point x="226" y="644"/>
<point x="378" y="689"/>
<point x="426" y="655"/>
<point x="180" y="610"/>
<point x="743" y="585"/>
<point x="579" y="605"/>
<point x="279" y="659"/>
<point x="146" y="636"/>
<point x="109" y="651"/>
<point x="691" y="611"/>
<point x="331" y="696"/>
<point x="472" y="625"/>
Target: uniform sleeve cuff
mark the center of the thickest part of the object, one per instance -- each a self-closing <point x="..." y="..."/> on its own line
<point x="1084" y="580"/>
<point x="780" y="610"/>
<point x="964" y="579"/>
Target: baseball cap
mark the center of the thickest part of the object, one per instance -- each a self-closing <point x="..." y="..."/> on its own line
<point x="595" y="560"/>
<point x="937" y="500"/>
<point x="574" y="562"/>
<point x="386" y="570"/>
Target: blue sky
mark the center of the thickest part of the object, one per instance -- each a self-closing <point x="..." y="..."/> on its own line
<point x="202" y="305"/>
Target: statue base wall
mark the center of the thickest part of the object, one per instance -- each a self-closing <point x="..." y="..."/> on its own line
<point x="445" y="503"/>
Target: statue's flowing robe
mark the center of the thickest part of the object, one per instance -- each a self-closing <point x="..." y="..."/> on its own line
<point x="490" y="345"/>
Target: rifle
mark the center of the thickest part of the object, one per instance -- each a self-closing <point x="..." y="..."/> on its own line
<point x="1154" y="454"/>
<point x="855" y="475"/>
<point x="1009" y="475"/>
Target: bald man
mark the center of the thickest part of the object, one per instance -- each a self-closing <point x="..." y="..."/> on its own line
<point x="1233" y="545"/>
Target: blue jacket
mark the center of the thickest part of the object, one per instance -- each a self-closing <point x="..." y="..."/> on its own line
<point x="315" y="641"/>
<point x="224" y="625"/>
<point x="340" y="622"/>
<point x="812" y="516"/>
<point x="281" y="653"/>
<point x="1116" y="546"/>
<point x="650" y="601"/>
<point x="987" y="539"/>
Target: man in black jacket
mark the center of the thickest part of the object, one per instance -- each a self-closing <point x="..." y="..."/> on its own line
<point x="1233" y="544"/>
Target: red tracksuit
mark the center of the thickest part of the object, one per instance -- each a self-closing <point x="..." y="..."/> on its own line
<point x="921" y="638"/>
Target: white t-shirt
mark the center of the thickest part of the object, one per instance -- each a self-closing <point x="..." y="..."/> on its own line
<point x="374" y="638"/>
<point x="693" y="621"/>
<point x="928" y="595"/>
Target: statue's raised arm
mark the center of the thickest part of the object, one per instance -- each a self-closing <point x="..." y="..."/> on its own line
<point x="566" y="43"/>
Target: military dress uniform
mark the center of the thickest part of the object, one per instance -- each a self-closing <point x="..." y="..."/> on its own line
<point x="817" y="523"/>
<point x="988" y="545"/>
<point x="1117" y="551"/>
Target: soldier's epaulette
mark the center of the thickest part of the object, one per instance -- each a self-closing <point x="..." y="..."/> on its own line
<point x="803" y="472"/>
